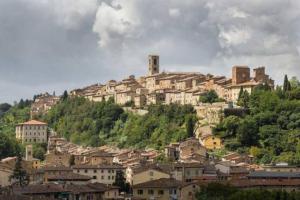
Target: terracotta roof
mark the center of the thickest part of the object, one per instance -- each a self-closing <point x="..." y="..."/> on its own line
<point x="56" y="168"/>
<point x="33" y="122"/>
<point x="69" y="177"/>
<point x="114" y="166"/>
<point x="265" y="174"/>
<point x="160" y="183"/>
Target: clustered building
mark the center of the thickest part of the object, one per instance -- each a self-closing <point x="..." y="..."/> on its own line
<point x="175" y="87"/>
<point x="71" y="171"/>
<point x="43" y="103"/>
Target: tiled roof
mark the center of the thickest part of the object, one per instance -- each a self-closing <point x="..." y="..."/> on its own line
<point x="262" y="174"/>
<point x="69" y="177"/>
<point x="114" y="166"/>
<point x="56" y="168"/>
<point x="160" y="183"/>
<point x="33" y="122"/>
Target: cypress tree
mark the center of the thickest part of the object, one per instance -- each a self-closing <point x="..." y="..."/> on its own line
<point x="286" y="84"/>
<point x="19" y="174"/>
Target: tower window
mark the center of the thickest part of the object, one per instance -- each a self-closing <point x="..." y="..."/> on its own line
<point x="154" y="61"/>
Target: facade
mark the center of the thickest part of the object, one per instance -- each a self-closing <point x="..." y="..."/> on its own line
<point x="145" y="174"/>
<point x="161" y="189"/>
<point x="32" y="131"/>
<point x="105" y="174"/>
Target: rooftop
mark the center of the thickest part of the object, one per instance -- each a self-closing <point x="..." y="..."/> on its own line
<point x="160" y="183"/>
<point x="33" y="122"/>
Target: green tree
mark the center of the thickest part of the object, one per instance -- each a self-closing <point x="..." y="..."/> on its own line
<point x="120" y="181"/>
<point x="190" y="125"/>
<point x="39" y="150"/>
<point x="286" y="84"/>
<point x="19" y="174"/>
<point x="247" y="132"/>
<point x="65" y="95"/>
<point x="210" y="97"/>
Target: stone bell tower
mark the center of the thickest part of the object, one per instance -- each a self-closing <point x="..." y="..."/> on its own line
<point x="153" y="64"/>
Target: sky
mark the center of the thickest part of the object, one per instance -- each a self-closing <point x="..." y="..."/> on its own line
<point x="57" y="45"/>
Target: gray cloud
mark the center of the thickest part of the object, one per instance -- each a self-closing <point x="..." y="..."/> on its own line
<point x="48" y="45"/>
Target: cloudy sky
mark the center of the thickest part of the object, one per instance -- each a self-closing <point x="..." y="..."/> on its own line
<point x="48" y="45"/>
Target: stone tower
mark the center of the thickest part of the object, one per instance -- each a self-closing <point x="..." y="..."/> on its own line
<point x="153" y="64"/>
<point x="29" y="152"/>
<point x="240" y="74"/>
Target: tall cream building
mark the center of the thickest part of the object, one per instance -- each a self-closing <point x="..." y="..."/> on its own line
<point x="32" y="131"/>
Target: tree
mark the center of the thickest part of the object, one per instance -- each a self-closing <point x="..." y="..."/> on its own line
<point x="190" y="125"/>
<point x="19" y="174"/>
<point x="295" y="83"/>
<point x="286" y="84"/>
<point x="120" y="181"/>
<point x="65" y="95"/>
<point x="210" y="97"/>
<point x="244" y="98"/>
<point x="39" y="151"/>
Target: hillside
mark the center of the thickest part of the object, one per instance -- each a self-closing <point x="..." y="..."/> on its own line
<point x="97" y="123"/>
<point x="271" y="131"/>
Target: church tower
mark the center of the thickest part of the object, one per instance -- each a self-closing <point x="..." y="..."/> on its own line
<point x="153" y="64"/>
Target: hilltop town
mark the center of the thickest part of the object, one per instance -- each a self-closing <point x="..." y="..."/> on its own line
<point x="177" y="170"/>
<point x="174" y="87"/>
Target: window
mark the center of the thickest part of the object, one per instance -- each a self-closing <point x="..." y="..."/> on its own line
<point x="151" y="192"/>
<point x="94" y="177"/>
<point x="140" y="192"/>
<point x="108" y="171"/>
<point x="95" y="171"/>
<point x="112" y="177"/>
<point x="108" y="177"/>
<point x="78" y="170"/>
<point x="102" y="170"/>
<point x="161" y="192"/>
<point x="85" y="171"/>
<point x="102" y="177"/>
<point x="112" y="171"/>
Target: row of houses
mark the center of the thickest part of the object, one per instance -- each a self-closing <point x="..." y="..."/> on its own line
<point x="174" y="87"/>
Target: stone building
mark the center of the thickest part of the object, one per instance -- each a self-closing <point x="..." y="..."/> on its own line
<point x="105" y="174"/>
<point x="32" y="131"/>
<point x="175" y="87"/>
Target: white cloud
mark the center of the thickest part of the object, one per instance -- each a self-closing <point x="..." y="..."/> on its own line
<point x="114" y="21"/>
<point x="174" y="12"/>
<point x="234" y="36"/>
<point x="66" y="42"/>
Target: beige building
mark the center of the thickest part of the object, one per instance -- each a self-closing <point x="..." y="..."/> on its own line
<point x="105" y="174"/>
<point x="144" y="174"/>
<point x="160" y="189"/>
<point x="32" y="131"/>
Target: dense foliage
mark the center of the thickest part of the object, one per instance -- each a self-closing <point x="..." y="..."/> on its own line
<point x="98" y="123"/>
<point x="210" y="97"/>
<point x="10" y="116"/>
<point x="216" y="191"/>
<point x="271" y="131"/>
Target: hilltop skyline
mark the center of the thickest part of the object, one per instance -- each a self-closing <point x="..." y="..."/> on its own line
<point x="64" y="44"/>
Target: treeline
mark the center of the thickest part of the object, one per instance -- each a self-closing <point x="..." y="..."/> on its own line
<point x="271" y="130"/>
<point x="10" y="116"/>
<point x="97" y="123"/>
<point x="216" y="191"/>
